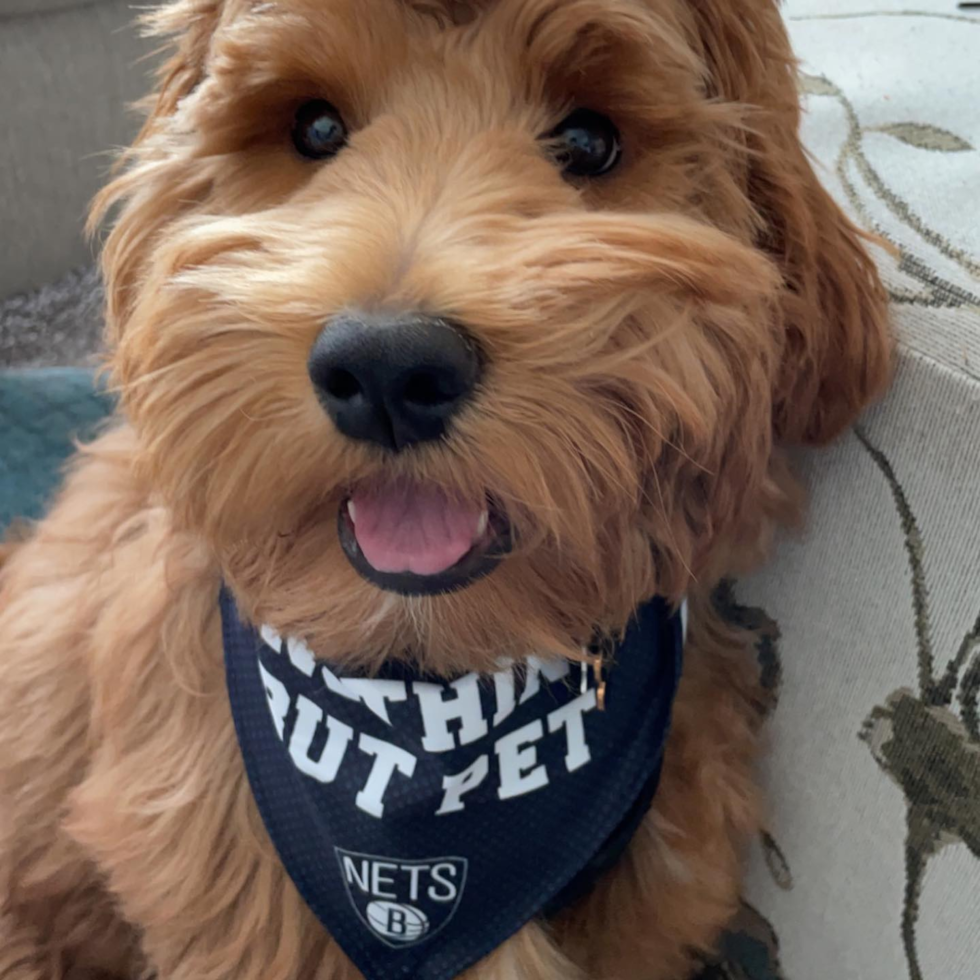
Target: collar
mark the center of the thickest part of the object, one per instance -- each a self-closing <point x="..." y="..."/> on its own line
<point x="418" y="816"/>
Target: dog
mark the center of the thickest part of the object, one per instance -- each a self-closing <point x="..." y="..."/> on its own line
<point x="448" y="335"/>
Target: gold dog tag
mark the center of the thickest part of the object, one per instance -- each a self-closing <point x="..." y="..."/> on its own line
<point x="596" y="663"/>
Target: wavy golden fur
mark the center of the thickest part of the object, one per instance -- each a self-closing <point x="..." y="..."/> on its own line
<point x="652" y="337"/>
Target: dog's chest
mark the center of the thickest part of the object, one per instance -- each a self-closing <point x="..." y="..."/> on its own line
<point x="424" y="821"/>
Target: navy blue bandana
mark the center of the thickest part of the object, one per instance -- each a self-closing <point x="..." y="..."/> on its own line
<point x="425" y="821"/>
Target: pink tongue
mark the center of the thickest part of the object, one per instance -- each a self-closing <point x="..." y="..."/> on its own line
<point x="413" y="528"/>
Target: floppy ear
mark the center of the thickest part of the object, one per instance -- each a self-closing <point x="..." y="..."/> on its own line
<point x="837" y="353"/>
<point x="191" y="24"/>
<point x="152" y="181"/>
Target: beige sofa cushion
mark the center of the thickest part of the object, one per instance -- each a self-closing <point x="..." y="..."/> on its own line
<point x="874" y="773"/>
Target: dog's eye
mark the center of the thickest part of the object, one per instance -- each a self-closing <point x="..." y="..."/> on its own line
<point x="319" y="131"/>
<point x="586" y="143"/>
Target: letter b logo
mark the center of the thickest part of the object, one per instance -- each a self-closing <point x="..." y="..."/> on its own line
<point x="397" y="923"/>
<point x="402" y="901"/>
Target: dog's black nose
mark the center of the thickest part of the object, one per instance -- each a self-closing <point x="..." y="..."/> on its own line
<point x="393" y="380"/>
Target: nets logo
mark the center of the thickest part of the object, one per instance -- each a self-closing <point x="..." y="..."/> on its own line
<point x="402" y="902"/>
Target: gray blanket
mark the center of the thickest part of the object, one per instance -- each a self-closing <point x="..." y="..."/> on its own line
<point x="58" y="325"/>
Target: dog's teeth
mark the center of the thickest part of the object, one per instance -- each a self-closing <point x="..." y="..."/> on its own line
<point x="351" y="510"/>
<point x="481" y="524"/>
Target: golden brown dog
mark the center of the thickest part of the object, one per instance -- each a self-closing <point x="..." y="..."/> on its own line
<point x="610" y="199"/>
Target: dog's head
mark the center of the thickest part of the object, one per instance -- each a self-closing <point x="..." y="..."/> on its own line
<point x="458" y="329"/>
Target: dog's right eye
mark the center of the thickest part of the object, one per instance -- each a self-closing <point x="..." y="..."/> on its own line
<point x="586" y="144"/>
<point x="319" y="131"/>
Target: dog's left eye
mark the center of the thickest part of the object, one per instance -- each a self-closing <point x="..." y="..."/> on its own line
<point x="586" y="143"/>
<point x="319" y="131"/>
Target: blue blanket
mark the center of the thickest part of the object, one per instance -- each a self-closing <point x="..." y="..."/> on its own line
<point x="42" y="413"/>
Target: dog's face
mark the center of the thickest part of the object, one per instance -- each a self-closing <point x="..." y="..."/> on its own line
<point x="460" y="328"/>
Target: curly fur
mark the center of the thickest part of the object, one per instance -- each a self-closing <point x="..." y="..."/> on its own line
<point x="652" y="338"/>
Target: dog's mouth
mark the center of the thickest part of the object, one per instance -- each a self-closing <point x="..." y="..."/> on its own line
<point x="417" y="539"/>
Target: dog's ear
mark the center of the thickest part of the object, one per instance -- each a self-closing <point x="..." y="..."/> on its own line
<point x="191" y="25"/>
<point x="837" y="354"/>
<point x="152" y="182"/>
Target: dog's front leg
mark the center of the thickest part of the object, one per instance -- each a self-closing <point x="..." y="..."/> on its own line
<point x="56" y="918"/>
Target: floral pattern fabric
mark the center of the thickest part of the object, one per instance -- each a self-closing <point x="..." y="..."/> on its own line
<point x="871" y="867"/>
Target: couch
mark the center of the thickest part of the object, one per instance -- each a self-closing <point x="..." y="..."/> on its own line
<point x="869" y="621"/>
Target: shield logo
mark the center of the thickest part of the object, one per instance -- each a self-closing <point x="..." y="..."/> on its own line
<point x="402" y="902"/>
